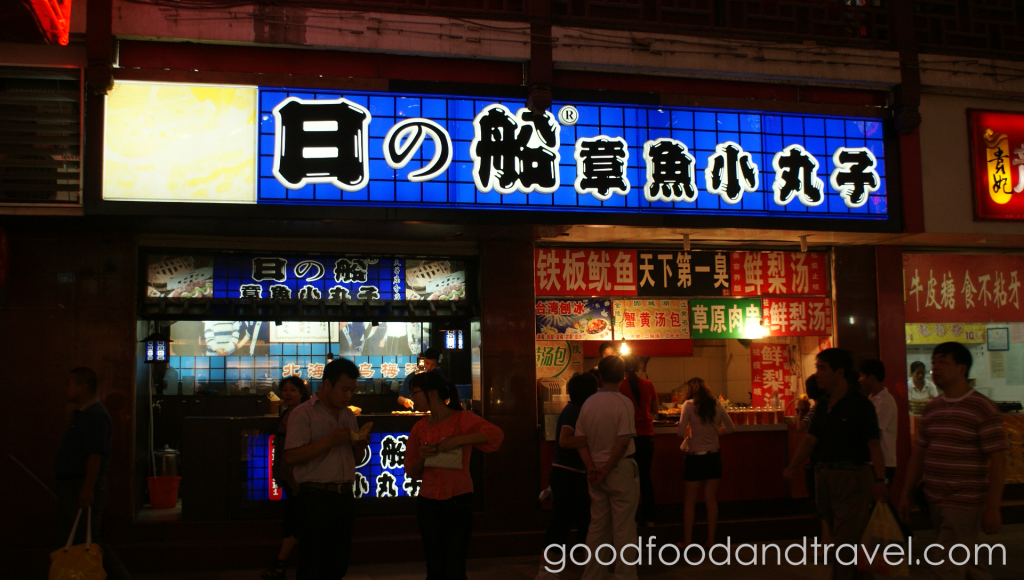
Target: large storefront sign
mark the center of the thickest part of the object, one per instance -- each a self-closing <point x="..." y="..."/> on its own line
<point x="651" y="319"/>
<point x="779" y="273"/>
<point x="797" y="316"/>
<point x="279" y="276"/>
<point x="725" y="318"/>
<point x="574" y="319"/>
<point x="307" y="146"/>
<point x="997" y="154"/>
<point x="962" y="288"/>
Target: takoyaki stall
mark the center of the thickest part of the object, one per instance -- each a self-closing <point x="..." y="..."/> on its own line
<point x="749" y="323"/>
<point x="222" y="329"/>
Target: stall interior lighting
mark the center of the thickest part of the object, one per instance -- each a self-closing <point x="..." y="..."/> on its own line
<point x="624" y="349"/>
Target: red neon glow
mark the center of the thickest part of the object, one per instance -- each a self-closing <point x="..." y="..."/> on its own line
<point x="272" y="490"/>
<point x="53" y="18"/>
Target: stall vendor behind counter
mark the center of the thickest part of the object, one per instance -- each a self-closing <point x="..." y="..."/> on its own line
<point x="429" y="361"/>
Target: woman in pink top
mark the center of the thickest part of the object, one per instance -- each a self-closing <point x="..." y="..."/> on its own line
<point x="707" y="421"/>
<point x="645" y="404"/>
<point x="444" y="508"/>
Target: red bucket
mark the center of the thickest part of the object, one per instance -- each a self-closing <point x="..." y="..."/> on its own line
<point x="163" y="492"/>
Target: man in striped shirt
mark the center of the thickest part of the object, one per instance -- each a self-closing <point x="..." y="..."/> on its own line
<point x="960" y="449"/>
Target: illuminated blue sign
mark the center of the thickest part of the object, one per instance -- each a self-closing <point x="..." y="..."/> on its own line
<point x="410" y="150"/>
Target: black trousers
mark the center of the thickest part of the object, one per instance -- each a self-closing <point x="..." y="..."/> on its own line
<point x="325" y="535"/>
<point x="644" y="455"/>
<point x="446" y="527"/>
<point x="570" y="504"/>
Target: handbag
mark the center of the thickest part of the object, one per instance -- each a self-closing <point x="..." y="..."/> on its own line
<point x="80" y="562"/>
<point x="451" y="459"/>
<point x="445" y="460"/>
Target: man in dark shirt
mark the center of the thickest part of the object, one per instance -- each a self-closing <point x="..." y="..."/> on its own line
<point x="847" y="439"/>
<point x="81" y="464"/>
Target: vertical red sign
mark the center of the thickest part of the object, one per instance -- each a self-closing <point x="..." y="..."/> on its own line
<point x="273" y="491"/>
<point x="771" y="375"/>
<point x="779" y="273"/>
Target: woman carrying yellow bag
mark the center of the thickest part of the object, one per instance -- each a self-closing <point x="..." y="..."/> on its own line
<point x="79" y="562"/>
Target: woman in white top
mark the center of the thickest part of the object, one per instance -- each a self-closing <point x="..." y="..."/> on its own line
<point x="707" y="421"/>
<point x="921" y="389"/>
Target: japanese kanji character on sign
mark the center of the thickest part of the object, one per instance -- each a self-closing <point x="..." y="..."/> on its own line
<point x="730" y="173"/>
<point x="321" y="141"/>
<point x="601" y="166"/>
<point x="515" y="153"/>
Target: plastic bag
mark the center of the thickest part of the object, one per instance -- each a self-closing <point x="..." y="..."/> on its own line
<point x="882" y="531"/>
<point x="80" y="562"/>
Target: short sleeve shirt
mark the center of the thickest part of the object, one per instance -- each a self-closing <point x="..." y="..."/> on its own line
<point x="885" y="409"/>
<point x="957" y="436"/>
<point x="88" y="434"/>
<point x="642" y="408"/>
<point x="606" y="416"/>
<point x="843" y="432"/>
<point x="311" y="421"/>
<point x="569" y="458"/>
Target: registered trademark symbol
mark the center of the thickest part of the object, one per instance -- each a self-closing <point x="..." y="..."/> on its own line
<point x="568" y="115"/>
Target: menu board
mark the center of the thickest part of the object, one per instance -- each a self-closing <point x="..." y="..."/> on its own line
<point x="289" y="277"/>
<point x="798" y="316"/>
<point x="771" y="374"/>
<point x="574" y="319"/>
<point x="780" y="273"/>
<point x="651" y="319"/>
<point x="725" y="318"/>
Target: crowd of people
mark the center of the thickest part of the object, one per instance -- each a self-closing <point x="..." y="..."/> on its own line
<point x="601" y="470"/>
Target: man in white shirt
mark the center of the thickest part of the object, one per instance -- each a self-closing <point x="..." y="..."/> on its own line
<point x="604" y="435"/>
<point x="322" y="438"/>
<point x="872" y="374"/>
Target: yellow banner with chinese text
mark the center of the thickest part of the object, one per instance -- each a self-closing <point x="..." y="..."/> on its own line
<point x="936" y="333"/>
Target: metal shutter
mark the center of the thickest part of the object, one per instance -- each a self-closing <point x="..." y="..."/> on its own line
<point x="40" y="136"/>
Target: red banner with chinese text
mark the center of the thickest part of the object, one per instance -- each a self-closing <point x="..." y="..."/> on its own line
<point x="580" y="272"/>
<point x="273" y="491"/>
<point x="780" y="273"/>
<point x="997" y="151"/>
<point x="797" y="316"/>
<point x="771" y="374"/>
<point x="962" y="288"/>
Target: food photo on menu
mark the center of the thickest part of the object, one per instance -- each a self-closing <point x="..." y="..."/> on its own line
<point x="179" y="277"/>
<point x="435" y="280"/>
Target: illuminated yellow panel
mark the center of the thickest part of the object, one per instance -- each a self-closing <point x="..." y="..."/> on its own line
<point x="170" y="142"/>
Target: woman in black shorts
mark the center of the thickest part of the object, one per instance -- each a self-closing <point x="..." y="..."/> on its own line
<point x="707" y="420"/>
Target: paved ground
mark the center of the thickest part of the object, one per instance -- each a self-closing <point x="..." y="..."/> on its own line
<point x="525" y="568"/>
